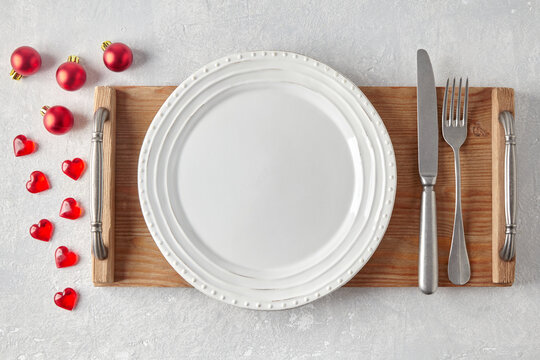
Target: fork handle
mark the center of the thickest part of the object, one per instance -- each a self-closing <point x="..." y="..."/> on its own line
<point x="459" y="268"/>
<point x="428" y="265"/>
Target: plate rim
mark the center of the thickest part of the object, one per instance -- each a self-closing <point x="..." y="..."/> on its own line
<point x="387" y="194"/>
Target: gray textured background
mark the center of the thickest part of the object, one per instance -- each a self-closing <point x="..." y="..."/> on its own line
<point x="495" y="43"/>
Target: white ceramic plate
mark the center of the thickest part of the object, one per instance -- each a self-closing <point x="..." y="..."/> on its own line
<point x="267" y="179"/>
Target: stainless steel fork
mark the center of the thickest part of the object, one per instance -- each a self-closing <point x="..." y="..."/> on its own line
<point x="454" y="130"/>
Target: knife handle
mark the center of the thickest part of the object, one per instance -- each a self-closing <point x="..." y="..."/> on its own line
<point x="428" y="267"/>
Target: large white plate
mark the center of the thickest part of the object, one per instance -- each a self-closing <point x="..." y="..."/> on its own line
<point x="267" y="179"/>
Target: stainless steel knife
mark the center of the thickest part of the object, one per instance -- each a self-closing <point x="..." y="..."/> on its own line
<point x="428" y="155"/>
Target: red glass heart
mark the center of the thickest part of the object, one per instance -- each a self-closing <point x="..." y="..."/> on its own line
<point x="23" y="146"/>
<point x="64" y="258"/>
<point x="42" y="230"/>
<point x="38" y="182"/>
<point x="73" y="168"/>
<point x="70" y="209"/>
<point x="67" y="299"/>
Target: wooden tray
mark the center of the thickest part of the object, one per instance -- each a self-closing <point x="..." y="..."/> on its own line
<point x="135" y="260"/>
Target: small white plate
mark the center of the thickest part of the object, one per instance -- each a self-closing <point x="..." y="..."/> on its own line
<point x="267" y="179"/>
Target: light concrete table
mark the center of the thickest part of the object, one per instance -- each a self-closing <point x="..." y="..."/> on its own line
<point x="494" y="43"/>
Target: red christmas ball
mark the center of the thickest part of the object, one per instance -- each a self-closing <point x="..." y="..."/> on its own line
<point x="116" y="57"/>
<point x="25" y="61"/>
<point x="58" y="120"/>
<point x="71" y="75"/>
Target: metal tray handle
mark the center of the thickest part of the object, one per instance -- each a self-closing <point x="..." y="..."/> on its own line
<point x="508" y="250"/>
<point x="98" y="247"/>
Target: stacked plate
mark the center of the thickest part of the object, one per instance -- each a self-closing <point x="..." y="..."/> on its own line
<point x="267" y="179"/>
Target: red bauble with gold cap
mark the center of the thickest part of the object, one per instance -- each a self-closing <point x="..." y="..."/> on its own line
<point x="25" y="61"/>
<point x="58" y="120"/>
<point x="116" y="56"/>
<point x="71" y="75"/>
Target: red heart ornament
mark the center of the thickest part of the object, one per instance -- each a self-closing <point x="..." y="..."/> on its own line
<point x="70" y="209"/>
<point x="42" y="230"/>
<point x="23" y="146"/>
<point x="67" y="299"/>
<point x="64" y="258"/>
<point x="73" y="168"/>
<point x="38" y="182"/>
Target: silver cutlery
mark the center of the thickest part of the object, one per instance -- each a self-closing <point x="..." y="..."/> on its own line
<point x="454" y="130"/>
<point x="428" y="155"/>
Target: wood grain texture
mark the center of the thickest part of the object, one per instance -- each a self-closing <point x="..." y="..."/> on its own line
<point x="103" y="270"/>
<point x="395" y="263"/>
<point x="502" y="100"/>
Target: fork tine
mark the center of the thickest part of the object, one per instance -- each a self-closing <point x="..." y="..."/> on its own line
<point x="466" y="102"/>
<point x="445" y="104"/>
<point x="458" y="119"/>
<point x="452" y="102"/>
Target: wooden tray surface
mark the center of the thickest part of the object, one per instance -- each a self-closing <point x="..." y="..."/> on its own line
<point x="135" y="260"/>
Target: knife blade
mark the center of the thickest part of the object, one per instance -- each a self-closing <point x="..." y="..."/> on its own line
<point x="428" y="155"/>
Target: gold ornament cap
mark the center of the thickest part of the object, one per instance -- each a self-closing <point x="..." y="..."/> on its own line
<point x="44" y="110"/>
<point x="15" y="75"/>
<point x="105" y="45"/>
<point x="73" y="58"/>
